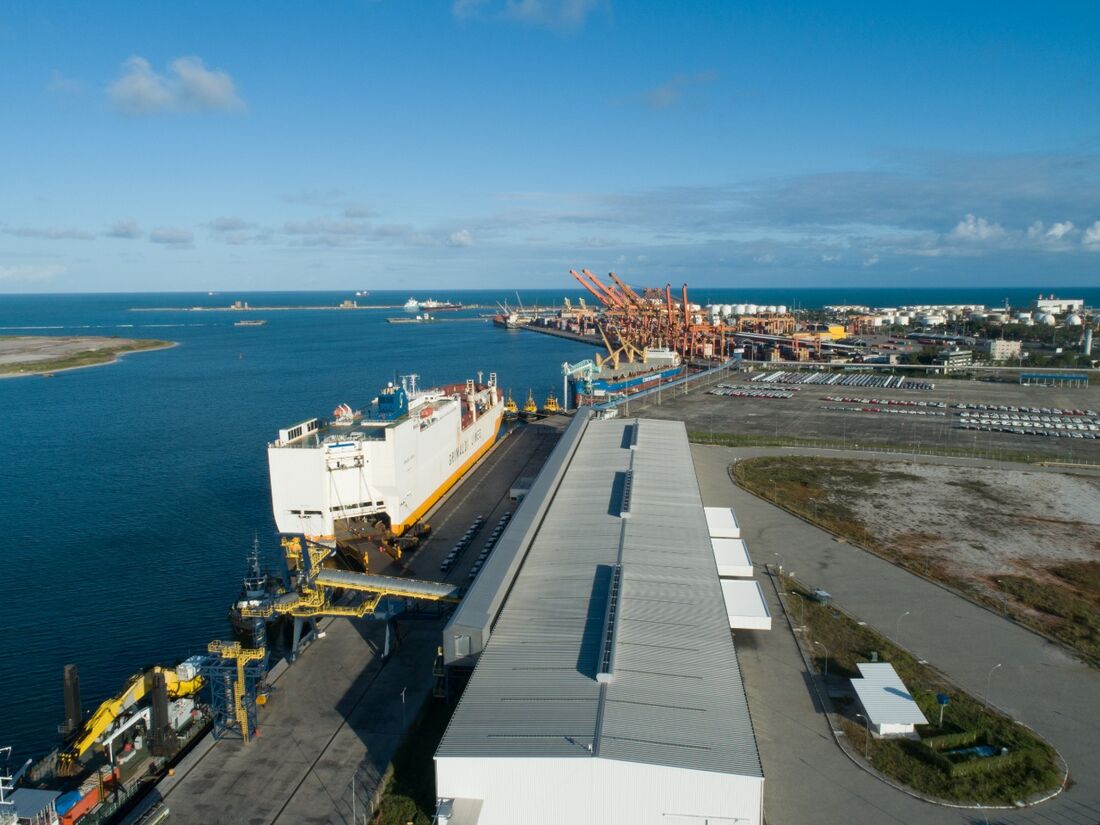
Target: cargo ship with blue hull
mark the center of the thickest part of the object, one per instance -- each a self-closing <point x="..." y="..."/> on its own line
<point x="596" y="383"/>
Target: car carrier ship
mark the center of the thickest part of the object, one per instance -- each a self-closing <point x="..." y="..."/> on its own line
<point x="373" y="474"/>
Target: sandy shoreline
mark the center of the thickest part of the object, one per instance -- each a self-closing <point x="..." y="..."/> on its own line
<point x="57" y="348"/>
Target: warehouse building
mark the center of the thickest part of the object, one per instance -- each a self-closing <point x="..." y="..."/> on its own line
<point x="606" y="686"/>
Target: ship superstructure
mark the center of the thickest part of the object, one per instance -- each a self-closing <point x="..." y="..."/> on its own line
<point x="388" y="464"/>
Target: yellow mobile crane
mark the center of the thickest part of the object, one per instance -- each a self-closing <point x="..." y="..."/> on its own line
<point x="107" y="713"/>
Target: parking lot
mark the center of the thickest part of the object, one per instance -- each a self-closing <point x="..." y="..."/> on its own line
<point x="862" y="415"/>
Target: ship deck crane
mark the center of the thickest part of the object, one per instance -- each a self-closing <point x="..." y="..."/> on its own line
<point x="108" y="713"/>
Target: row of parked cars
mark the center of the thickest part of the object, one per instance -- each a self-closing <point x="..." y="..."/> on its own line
<point x="886" y="402"/>
<point x="1030" y="410"/>
<point x="861" y="379"/>
<point x="1062" y="431"/>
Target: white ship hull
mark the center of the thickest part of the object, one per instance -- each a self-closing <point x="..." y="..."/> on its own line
<point x="396" y="470"/>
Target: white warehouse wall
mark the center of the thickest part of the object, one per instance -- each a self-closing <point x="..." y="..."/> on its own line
<point x="592" y="791"/>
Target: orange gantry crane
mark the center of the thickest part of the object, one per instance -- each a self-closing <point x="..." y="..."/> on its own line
<point x="630" y="322"/>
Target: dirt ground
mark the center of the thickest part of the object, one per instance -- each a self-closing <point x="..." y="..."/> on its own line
<point x="1003" y="522"/>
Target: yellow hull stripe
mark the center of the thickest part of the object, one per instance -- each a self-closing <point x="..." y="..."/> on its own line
<point x="429" y="502"/>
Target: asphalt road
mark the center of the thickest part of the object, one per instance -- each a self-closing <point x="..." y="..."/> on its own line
<point x="807" y="778"/>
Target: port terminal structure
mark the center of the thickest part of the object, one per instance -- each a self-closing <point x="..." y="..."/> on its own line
<point x="602" y="681"/>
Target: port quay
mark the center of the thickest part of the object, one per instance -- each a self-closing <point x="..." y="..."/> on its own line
<point x="572" y="606"/>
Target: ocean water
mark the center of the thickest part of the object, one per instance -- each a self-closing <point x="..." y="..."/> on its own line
<point x="130" y="493"/>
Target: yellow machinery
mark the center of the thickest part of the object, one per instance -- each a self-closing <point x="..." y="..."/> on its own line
<point x="312" y="597"/>
<point x="107" y="713"/>
<point x="510" y="408"/>
<point x="551" y="406"/>
<point x="241" y="656"/>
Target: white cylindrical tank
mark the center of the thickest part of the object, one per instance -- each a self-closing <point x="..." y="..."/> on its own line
<point x="1073" y="320"/>
<point x="1046" y="319"/>
<point x="770" y="308"/>
<point x="739" y="309"/>
<point x="782" y="310"/>
<point x="727" y="309"/>
<point x="751" y="309"/>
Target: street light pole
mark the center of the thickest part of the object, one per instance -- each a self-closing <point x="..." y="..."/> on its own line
<point x="867" y="738"/>
<point x="816" y="642"/>
<point x="989" y="680"/>
<point x="897" y="628"/>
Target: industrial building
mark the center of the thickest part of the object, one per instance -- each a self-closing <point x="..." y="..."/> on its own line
<point x="1000" y="349"/>
<point x="606" y="687"/>
<point x="887" y="705"/>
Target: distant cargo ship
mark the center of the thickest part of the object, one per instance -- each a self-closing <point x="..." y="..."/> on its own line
<point x="257" y="322"/>
<point x="592" y="384"/>
<point x="430" y="305"/>
<point x="378" y="472"/>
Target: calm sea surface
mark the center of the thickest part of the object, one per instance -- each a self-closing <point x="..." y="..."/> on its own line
<point x="130" y="492"/>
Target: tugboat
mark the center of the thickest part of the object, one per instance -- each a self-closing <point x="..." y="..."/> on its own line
<point x="257" y="587"/>
<point x="530" y="409"/>
<point x="551" y="406"/>
<point x="511" y="411"/>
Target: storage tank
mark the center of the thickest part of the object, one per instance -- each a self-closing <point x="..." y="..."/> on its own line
<point x="782" y="310"/>
<point x="727" y="310"/>
<point x="1073" y="320"/>
<point x="751" y="309"/>
<point x="739" y="309"/>
<point x="1046" y="319"/>
<point x="770" y="308"/>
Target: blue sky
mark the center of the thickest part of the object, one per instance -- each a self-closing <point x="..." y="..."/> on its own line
<point x="409" y="143"/>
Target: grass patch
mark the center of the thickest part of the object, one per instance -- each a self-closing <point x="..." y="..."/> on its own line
<point x="1029" y="768"/>
<point x="86" y="358"/>
<point x="1070" y="615"/>
<point x="410" y="793"/>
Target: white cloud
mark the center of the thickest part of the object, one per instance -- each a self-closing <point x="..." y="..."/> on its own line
<point x="229" y="224"/>
<point x="766" y="258"/>
<point x="461" y="238"/>
<point x="670" y="92"/>
<point x="870" y="260"/>
<point x="31" y="272"/>
<point x="830" y="257"/>
<point x="127" y="229"/>
<point x="170" y="237"/>
<point x="1092" y="235"/>
<point x="1036" y="230"/>
<point x="61" y="85"/>
<point x="976" y="229"/>
<point x="553" y="14"/>
<point x="50" y="233"/>
<point x="358" y="211"/>
<point x="188" y="87"/>
<point x="1060" y="230"/>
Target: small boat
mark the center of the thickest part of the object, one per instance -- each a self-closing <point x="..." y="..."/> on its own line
<point x="253" y="322"/>
<point x="551" y="406"/>
<point x="511" y="411"/>
<point x="530" y="409"/>
<point x="423" y="318"/>
<point x="412" y="305"/>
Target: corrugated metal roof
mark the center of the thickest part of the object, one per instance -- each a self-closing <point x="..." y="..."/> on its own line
<point x="885" y="697"/>
<point x="676" y="696"/>
<point x="482" y="603"/>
